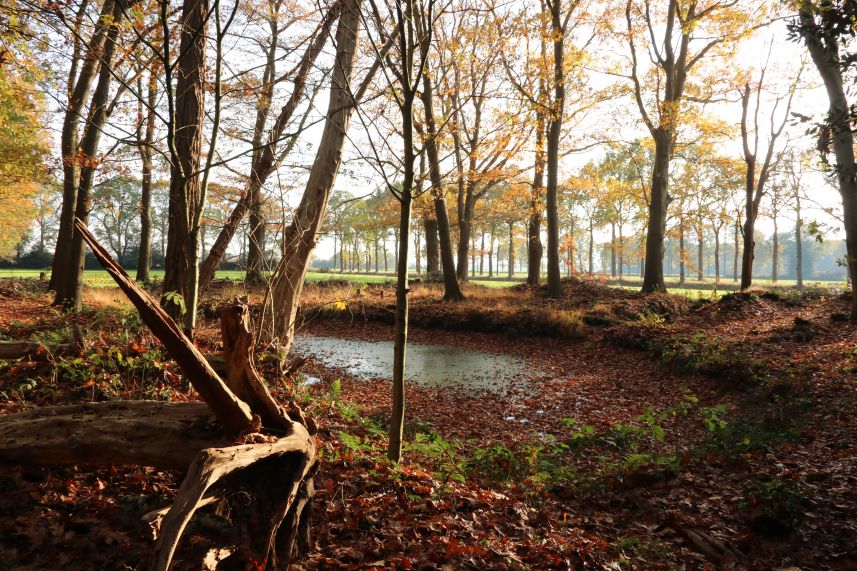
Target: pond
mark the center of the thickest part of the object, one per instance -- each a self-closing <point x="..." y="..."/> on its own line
<point x="427" y="365"/>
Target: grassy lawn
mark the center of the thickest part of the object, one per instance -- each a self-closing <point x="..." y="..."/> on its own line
<point x="695" y="289"/>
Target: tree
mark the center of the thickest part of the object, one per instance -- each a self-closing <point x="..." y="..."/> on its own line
<point x="299" y="237"/>
<point x="267" y="148"/>
<point x="690" y="33"/>
<point x="79" y="175"/>
<point x="827" y="28"/>
<point x="750" y="138"/>
<point x="414" y="23"/>
<point x="23" y="155"/>
<point x="451" y="287"/>
<point x="145" y="139"/>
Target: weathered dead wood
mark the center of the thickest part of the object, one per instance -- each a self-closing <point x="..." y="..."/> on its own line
<point x="145" y="433"/>
<point x="276" y="473"/>
<point x="243" y="378"/>
<point x="33" y="351"/>
<point x="285" y="462"/>
<point x="234" y="413"/>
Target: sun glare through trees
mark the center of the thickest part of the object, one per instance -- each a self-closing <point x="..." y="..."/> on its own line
<point x="428" y="284"/>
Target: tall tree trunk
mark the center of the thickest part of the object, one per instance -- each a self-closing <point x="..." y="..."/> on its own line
<point x="451" y="287"/>
<point x="736" y="252"/>
<point x="775" y="266"/>
<point x="700" y="255"/>
<point x="482" y="256"/>
<point x="591" y="246"/>
<point x="78" y="91"/>
<point x="185" y="139"/>
<point x="400" y="335"/>
<point x="554" y="132"/>
<point x="612" y="249"/>
<point x="681" y="254"/>
<point x="465" y="233"/>
<point x="749" y="247"/>
<point x="69" y="289"/>
<point x="491" y="253"/>
<point x="825" y="54"/>
<point x="144" y="258"/>
<point x="534" y="225"/>
<point x="299" y="237"/>
<point x="657" y="224"/>
<point x="717" y="256"/>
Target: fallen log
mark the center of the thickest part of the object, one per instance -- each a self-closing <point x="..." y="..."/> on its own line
<point x="145" y="433"/>
<point x="218" y="443"/>
<point x="233" y="413"/>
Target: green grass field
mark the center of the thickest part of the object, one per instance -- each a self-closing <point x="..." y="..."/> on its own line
<point x="100" y="278"/>
<point x="693" y="288"/>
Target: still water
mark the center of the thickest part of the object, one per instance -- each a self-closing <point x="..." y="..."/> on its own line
<point x="427" y="365"/>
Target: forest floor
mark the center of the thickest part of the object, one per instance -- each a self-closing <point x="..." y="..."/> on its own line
<point x="657" y="432"/>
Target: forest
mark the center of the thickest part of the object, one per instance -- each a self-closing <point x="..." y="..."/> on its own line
<point x="428" y="284"/>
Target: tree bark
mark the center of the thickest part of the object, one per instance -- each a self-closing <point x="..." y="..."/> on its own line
<point x="824" y="51"/>
<point x="658" y="204"/>
<point x="299" y="238"/>
<point x="432" y="248"/>
<point x="554" y="131"/>
<point x="511" y="268"/>
<point x="798" y="241"/>
<point x="69" y="288"/>
<point x="144" y="256"/>
<point x="79" y="89"/>
<point x="185" y="140"/>
<point x="451" y="287"/>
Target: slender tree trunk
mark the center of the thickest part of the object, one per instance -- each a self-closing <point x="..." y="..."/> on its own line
<point x="737" y="251"/>
<point x="621" y="248"/>
<point x="491" y="253"/>
<point x="798" y="241"/>
<point x="775" y="266"/>
<point x="825" y="55"/>
<point x="700" y="256"/>
<point x="717" y="256"/>
<point x="613" y="249"/>
<point x="144" y="259"/>
<point x="511" y="268"/>
<point x="591" y="246"/>
<point x="681" y="254"/>
<point x="749" y="247"/>
<point x="482" y="256"/>
<point x="299" y="237"/>
<point x="465" y="233"/>
<point x="534" y="226"/>
<point x="185" y="140"/>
